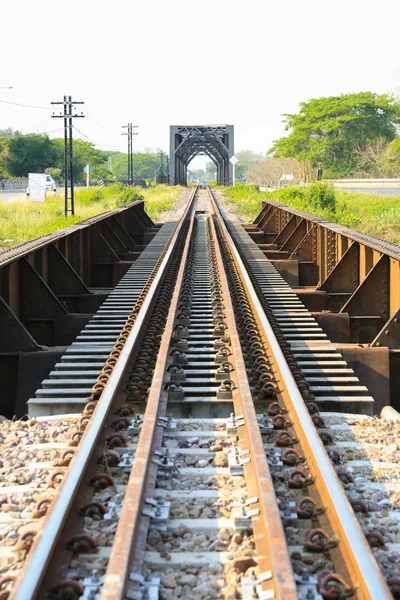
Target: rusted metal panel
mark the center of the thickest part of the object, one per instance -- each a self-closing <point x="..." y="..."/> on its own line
<point x="36" y="298"/>
<point x="286" y="231"/>
<point x="371" y="298"/>
<point x="14" y="336"/>
<point x="371" y="365"/>
<point x="359" y="272"/>
<point x="304" y="250"/>
<point x="296" y="237"/>
<point x="345" y="276"/>
<point x="61" y="277"/>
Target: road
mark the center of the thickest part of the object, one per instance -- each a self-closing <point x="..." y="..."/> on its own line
<point x="13" y="196"/>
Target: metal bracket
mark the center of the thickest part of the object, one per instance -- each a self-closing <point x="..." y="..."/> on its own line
<point x="274" y="458"/>
<point x="93" y="586"/>
<point x="288" y="514"/>
<point x="251" y="587"/>
<point x="243" y="519"/>
<point x="114" y="511"/>
<point x="232" y="424"/>
<point x="177" y="374"/>
<point x="222" y="355"/>
<point x="175" y="392"/>
<point x="167" y="422"/>
<point x="127" y="460"/>
<point x="179" y="358"/>
<point x="164" y="461"/>
<point x="224" y="392"/>
<point x="147" y="587"/>
<point x="158" y="511"/>
<point x="136" y="424"/>
<point x="181" y="331"/>
<point x="218" y="344"/>
<point x="236" y="462"/>
<point x="182" y="344"/>
<point x="265" y="423"/>
<point x="248" y="502"/>
<point x="307" y="586"/>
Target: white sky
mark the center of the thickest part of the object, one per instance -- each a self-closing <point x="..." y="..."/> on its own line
<point x="156" y="63"/>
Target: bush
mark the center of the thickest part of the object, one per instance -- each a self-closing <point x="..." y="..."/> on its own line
<point x="321" y="195"/>
<point x="318" y="197"/>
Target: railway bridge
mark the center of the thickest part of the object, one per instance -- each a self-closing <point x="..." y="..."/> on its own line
<point x="188" y="141"/>
<point x="201" y="399"/>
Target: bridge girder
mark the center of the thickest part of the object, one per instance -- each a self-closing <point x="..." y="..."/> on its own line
<point x="188" y="141"/>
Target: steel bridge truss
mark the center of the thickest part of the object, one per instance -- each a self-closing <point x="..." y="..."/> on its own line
<point x="188" y="141"/>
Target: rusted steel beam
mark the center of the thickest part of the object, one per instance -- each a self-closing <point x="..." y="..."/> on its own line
<point x="389" y="335"/>
<point x="296" y="237"/>
<point x="62" y="278"/>
<point x="112" y="238"/>
<point x="14" y="335"/>
<point x="286" y="232"/>
<point x="371" y="298"/>
<point x="344" y="278"/>
<point x="45" y="281"/>
<point x="36" y="298"/>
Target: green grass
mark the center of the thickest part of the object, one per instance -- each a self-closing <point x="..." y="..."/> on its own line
<point x="368" y="213"/>
<point x="160" y="199"/>
<point x="23" y="220"/>
<point x="245" y="198"/>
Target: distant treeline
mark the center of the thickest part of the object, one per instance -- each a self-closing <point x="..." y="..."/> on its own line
<point x="37" y="153"/>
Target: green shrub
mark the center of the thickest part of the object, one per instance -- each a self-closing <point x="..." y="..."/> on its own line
<point x="321" y="195"/>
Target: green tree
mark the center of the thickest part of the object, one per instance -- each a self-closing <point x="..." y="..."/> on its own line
<point x="245" y="158"/>
<point x="29" y="154"/>
<point x="329" y="130"/>
<point x="84" y="153"/>
<point x="390" y="159"/>
<point x="145" y="165"/>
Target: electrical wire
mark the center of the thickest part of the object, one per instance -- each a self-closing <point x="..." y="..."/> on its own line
<point x="92" y="142"/>
<point x="16" y="137"/>
<point x="25" y="105"/>
<point x="105" y="128"/>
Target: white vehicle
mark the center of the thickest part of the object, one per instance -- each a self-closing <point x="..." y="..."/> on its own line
<point x="42" y="183"/>
<point x="50" y="183"/>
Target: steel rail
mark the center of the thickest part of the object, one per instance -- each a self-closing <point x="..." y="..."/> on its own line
<point x="127" y="533"/>
<point x="272" y="550"/>
<point x="271" y="546"/>
<point x="28" y="584"/>
<point x="359" y="561"/>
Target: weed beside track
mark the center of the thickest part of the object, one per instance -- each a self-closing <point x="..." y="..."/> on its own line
<point x="23" y="220"/>
<point x="368" y="213"/>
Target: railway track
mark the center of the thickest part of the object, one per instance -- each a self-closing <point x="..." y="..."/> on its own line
<point x="205" y="463"/>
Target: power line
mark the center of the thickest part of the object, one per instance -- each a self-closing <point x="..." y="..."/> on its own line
<point x="25" y="105"/>
<point x="37" y="125"/>
<point x="19" y="137"/>
<point x="93" y="142"/>
<point x="102" y="127"/>
<point x="84" y="134"/>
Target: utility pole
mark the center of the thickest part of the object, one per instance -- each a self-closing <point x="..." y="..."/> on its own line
<point x="132" y="130"/>
<point x="161" y="168"/>
<point x="67" y="115"/>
